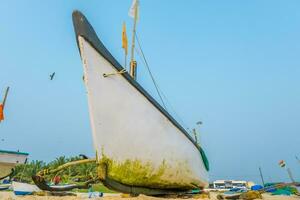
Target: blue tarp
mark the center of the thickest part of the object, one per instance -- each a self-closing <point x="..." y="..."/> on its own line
<point x="256" y="187"/>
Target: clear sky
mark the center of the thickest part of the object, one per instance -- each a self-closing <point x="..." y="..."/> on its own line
<point x="235" y="65"/>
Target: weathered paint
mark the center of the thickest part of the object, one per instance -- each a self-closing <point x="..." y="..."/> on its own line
<point x="133" y="141"/>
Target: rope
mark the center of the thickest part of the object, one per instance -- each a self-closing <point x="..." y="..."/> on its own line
<point x="174" y="111"/>
<point x="158" y="90"/>
<point x="151" y="75"/>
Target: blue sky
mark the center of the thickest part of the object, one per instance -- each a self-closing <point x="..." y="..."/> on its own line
<point x="232" y="64"/>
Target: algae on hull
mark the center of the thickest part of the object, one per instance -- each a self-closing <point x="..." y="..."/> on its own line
<point x="138" y="173"/>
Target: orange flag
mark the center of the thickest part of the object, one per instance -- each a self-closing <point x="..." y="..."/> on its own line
<point x="124" y="39"/>
<point x="1" y="112"/>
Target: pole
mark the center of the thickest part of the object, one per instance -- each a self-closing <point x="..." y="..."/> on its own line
<point x="261" y="176"/>
<point x="133" y="64"/>
<point x="125" y="63"/>
<point x="134" y="32"/>
<point x="199" y="123"/>
<point x="5" y="97"/>
<point x="290" y="175"/>
<point x="195" y="134"/>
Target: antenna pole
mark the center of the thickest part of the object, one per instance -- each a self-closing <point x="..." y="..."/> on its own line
<point x="290" y="175"/>
<point x="195" y="135"/>
<point x="283" y="165"/>
<point x="133" y="64"/>
<point x="261" y="176"/>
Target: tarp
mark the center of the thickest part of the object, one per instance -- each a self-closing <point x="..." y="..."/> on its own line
<point x="282" y="192"/>
<point x="256" y="187"/>
<point x="287" y="190"/>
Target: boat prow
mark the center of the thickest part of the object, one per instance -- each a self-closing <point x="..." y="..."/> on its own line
<point x="8" y="160"/>
<point x="142" y="146"/>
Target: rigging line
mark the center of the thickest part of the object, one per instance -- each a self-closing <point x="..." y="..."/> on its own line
<point x="152" y="77"/>
<point x="159" y="91"/>
<point x="173" y="109"/>
<point x="170" y="105"/>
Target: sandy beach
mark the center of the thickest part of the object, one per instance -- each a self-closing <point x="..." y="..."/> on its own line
<point x="11" y="196"/>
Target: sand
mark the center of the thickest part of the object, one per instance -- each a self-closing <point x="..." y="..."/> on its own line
<point x="11" y="196"/>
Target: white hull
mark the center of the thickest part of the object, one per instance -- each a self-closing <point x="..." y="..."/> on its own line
<point x="8" y="160"/>
<point x="140" y="145"/>
<point x="5" y="169"/>
<point x="4" y="186"/>
<point x="24" y="188"/>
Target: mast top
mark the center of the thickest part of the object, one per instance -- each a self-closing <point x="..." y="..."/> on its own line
<point x="133" y="12"/>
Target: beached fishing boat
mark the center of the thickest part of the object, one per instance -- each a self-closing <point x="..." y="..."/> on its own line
<point x="140" y="147"/>
<point x="8" y="160"/>
<point x="4" y="187"/>
<point x="20" y="188"/>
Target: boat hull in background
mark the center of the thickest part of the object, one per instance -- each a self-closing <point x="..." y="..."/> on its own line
<point x="21" y="189"/>
<point x="9" y="159"/>
<point x="4" y="187"/>
<point x="141" y="145"/>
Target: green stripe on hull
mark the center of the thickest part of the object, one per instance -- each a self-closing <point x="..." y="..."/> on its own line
<point x="14" y="152"/>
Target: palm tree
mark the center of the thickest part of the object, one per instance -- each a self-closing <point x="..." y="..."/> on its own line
<point x="76" y="173"/>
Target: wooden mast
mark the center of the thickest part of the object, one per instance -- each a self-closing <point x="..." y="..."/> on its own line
<point x="133" y="64"/>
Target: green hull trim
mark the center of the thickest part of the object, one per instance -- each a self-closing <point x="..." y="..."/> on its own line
<point x="14" y="152"/>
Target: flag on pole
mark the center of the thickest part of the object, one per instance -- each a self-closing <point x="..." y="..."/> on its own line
<point x="134" y="6"/>
<point x="281" y="163"/>
<point x="1" y="112"/>
<point x="124" y="39"/>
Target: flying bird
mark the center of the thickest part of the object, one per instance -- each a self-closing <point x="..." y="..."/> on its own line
<point x="52" y="76"/>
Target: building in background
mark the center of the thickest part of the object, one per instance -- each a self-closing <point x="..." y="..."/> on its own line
<point x="229" y="184"/>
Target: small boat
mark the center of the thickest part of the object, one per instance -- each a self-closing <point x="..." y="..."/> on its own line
<point x="24" y="188"/>
<point x="140" y="147"/>
<point x="4" y="187"/>
<point x="8" y="161"/>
